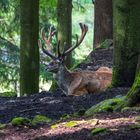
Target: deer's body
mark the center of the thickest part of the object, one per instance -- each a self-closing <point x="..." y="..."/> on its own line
<point x="75" y="83"/>
<point x="83" y="82"/>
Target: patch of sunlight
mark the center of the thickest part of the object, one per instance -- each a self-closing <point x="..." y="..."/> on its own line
<point x="44" y="86"/>
<point x="74" y="123"/>
<point x="113" y="129"/>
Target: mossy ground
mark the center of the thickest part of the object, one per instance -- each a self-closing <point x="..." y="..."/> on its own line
<point x="108" y="105"/>
<point x="20" y="121"/>
<point x="98" y="130"/>
<point x="2" y="126"/>
<point x="40" y="119"/>
<point x="37" y="120"/>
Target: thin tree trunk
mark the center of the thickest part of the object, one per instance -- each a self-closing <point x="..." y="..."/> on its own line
<point x="103" y="24"/>
<point x="29" y="51"/>
<point x="64" y="19"/>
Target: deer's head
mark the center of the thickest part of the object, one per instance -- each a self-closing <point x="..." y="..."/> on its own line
<point x="58" y="60"/>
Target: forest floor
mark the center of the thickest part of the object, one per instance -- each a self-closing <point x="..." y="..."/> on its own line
<point x="118" y="126"/>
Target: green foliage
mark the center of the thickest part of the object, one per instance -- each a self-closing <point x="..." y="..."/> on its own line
<point x="108" y="105"/>
<point x="9" y="52"/>
<point x="8" y="94"/>
<point x="47" y="12"/>
<point x="10" y="20"/>
<point x="48" y="3"/>
<point x="20" y="121"/>
<point x="98" y="130"/>
<point x="4" y="4"/>
<point x="40" y="119"/>
<point x="9" y="66"/>
<point x="54" y="86"/>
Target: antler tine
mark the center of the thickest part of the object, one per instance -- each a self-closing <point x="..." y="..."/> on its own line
<point x="45" y="51"/>
<point x="84" y="30"/>
<point x="58" y="48"/>
<point x="46" y="42"/>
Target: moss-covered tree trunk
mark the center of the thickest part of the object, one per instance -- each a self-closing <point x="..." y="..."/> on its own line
<point x="103" y="27"/>
<point x="29" y="51"/>
<point x="133" y="96"/>
<point x="64" y="19"/>
<point x="126" y="41"/>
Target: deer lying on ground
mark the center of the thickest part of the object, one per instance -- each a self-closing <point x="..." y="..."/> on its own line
<point x="74" y="83"/>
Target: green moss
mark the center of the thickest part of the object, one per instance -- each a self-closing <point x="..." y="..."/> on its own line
<point x="134" y="126"/>
<point x="105" y="44"/>
<point x="70" y="124"/>
<point x="77" y="64"/>
<point x="98" y="130"/>
<point x="19" y="121"/>
<point x="133" y="96"/>
<point x="116" y="79"/>
<point x="40" y="119"/>
<point x="54" y="126"/>
<point x="81" y="112"/>
<point x="108" y="105"/>
<point x="65" y="116"/>
<point x="2" y="126"/>
<point x="87" y="60"/>
<point x="125" y="109"/>
<point x="138" y="119"/>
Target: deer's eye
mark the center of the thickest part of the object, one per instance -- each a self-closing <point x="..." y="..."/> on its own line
<point x="54" y="62"/>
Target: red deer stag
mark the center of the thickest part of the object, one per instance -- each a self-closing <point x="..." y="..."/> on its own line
<point x="74" y="83"/>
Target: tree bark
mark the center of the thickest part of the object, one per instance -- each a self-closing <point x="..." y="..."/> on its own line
<point x="29" y="51"/>
<point x="64" y="19"/>
<point x="133" y="96"/>
<point x="126" y="41"/>
<point x="103" y="23"/>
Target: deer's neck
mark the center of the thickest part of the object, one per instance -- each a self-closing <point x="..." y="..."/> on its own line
<point x="62" y="72"/>
<point x="61" y="77"/>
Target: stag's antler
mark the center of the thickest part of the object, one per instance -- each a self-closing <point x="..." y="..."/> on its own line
<point x="84" y="30"/>
<point x="47" y="43"/>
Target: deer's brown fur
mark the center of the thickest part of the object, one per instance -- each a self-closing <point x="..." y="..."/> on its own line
<point x="84" y="82"/>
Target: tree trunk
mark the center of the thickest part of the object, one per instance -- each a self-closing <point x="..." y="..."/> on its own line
<point x="103" y="24"/>
<point x="126" y="41"/>
<point x="29" y="51"/>
<point x="133" y="96"/>
<point x="64" y="19"/>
